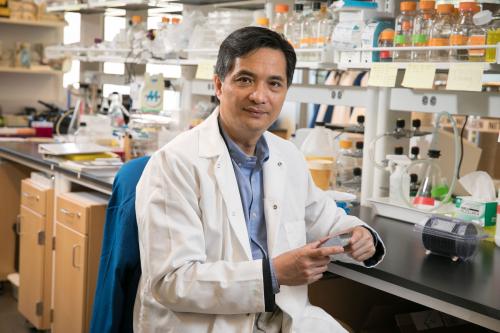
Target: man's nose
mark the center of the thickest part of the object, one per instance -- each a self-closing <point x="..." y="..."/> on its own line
<point x="259" y="93"/>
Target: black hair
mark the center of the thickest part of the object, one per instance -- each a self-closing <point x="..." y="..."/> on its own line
<point x="246" y="40"/>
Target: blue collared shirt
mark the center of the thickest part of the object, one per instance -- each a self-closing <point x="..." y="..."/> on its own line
<point x="249" y="176"/>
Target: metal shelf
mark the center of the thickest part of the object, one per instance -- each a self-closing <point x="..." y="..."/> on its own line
<point x="455" y="102"/>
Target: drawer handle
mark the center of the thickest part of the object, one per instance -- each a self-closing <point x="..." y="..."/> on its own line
<point x="70" y="213"/>
<point x="73" y="261"/>
<point x="31" y="196"/>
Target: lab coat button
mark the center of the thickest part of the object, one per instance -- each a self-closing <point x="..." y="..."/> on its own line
<point x="279" y="163"/>
<point x="233" y="213"/>
<point x="275" y="206"/>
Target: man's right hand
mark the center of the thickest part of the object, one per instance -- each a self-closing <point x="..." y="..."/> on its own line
<point x="304" y="265"/>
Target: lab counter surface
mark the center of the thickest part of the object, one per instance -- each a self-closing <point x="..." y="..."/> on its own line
<point x="26" y="153"/>
<point x="469" y="290"/>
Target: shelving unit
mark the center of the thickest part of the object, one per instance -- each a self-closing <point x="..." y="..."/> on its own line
<point x="33" y="70"/>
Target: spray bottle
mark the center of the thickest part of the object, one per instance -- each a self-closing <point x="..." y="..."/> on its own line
<point x="399" y="181"/>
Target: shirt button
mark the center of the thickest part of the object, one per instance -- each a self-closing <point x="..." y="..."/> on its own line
<point x="254" y="215"/>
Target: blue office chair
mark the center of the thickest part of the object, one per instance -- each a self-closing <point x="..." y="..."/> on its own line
<point x="120" y="266"/>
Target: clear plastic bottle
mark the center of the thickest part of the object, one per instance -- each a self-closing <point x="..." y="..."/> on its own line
<point x="280" y="18"/>
<point x="421" y="29"/>
<point x="136" y="34"/>
<point x="293" y="27"/>
<point x="319" y="151"/>
<point x="460" y="31"/>
<point x="478" y="34"/>
<point x="493" y="38"/>
<point x="345" y="162"/>
<point x="441" y="32"/>
<point x="386" y="39"/>
<point x="404" y="30"/>
<point x="311" y="27"/>
<point x="325" y="27"/>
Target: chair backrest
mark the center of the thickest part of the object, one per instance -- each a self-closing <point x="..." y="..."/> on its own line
<point x="119" y="267"/>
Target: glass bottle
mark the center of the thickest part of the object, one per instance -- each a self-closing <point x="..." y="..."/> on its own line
<point x="440" y="32"/>
<point x="404" y="30"/>
<point x="386" y="39"/>
<point x="460" y="31"/>
<point x="280" y="18"/>
<point x="325" y="26"/>
<point x="478" y="34"/>
<point x="345" y="162"/>
<point x="310" y="27"/>
<point x="293" y="27"/>
<point x="421" y="29"/>
<point x="493" y="38"/>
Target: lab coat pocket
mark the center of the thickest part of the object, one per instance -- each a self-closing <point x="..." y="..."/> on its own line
<point x="295" y="233"/>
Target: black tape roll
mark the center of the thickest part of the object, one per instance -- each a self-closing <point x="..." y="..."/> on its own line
<point x="460" y="242"/>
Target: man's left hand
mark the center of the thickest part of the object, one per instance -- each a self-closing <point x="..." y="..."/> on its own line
<point x="361" y="246"/>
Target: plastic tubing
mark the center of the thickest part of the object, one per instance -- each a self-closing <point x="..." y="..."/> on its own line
<point x="430" y="161"/>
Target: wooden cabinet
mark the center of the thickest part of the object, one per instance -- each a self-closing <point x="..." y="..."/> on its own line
<point x="80" y="220"/>
<point x="35" y="253"/>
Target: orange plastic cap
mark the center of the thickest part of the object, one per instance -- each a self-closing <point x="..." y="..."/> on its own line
<point x="136" y="19"/>
<point x="427" y="4"/>
<point x="468" y="6"/>
<point x="408" y="6"/>
<point x="387" y="34"/>
<point x="345" y="144"/>
<point x="445" y="8"/>
<point x="263" y="21"/>
<point x="176" y="20"/>
<point x="281" y="8"/>
<point x="165" y="19"/>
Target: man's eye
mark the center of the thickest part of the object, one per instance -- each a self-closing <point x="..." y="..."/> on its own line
<point x="244" y="80"/>
<point x="276" y="84"/>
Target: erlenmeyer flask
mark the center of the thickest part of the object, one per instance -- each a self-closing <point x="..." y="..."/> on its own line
<point x="433" y="186"/>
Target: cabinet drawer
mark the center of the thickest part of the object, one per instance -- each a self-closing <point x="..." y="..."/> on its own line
<point x="72" y="214"/>
<point x="33" y="197"/>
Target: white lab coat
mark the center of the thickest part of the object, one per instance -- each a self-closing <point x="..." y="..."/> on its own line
<point x="198" y="274"/>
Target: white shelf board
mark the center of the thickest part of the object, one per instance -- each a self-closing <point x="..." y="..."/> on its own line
<point x="67" y="7"/>
<point x="34" y="23"/>
<point x="455" y="102"/>
<point x="33" y="70"/>
<point x="403" y="65"/>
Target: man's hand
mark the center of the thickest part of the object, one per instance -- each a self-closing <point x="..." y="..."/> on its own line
<point x="304" y="265"/>
<point x="361" y="245"/>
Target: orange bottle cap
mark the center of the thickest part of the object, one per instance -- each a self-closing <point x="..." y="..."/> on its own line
<point x="424" y="4"/>
<point x="176" y="20"/>
<point x="445" y="8"/>
<point x="468" y="6"/>
<point x="387" y="34"/>
<point x="408" y="5"/>
<point x="281" y="8"/>
<point x="165" y="19"/>
<point x="263" y="21"/>
<point x="136" y="19"/>
<point x="345" y="144"/>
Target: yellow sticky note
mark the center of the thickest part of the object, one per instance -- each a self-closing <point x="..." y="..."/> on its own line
<point x="205" y="70"/>
<point x="468" y="77"/>
<point x="383" y="75"/>
<point x="419" y="76"/>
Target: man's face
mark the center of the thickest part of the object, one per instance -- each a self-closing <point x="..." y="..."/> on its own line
<point x="253" y="93"/>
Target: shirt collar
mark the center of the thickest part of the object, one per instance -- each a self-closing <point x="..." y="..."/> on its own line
<point x="239" y="156"/>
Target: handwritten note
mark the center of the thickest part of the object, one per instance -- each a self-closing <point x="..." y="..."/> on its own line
<point x="468" y="77"/>
<point x="383" y="75"/>
<point x="419" y="76"/>
<point x="205" y="70"/>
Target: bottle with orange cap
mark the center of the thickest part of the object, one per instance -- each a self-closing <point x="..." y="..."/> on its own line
<point x="293" y="27"/>
<point x="280" y="18"/>
<point x="460" y="31"/>
<point x="441" y="32"/>
<point x="386" y="39"/>
<point x="404" y="30"/>
<point x="422" y="28"/>
<point x="136" y="33"/>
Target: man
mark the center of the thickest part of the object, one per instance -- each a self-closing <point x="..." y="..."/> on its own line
<point x="230" y="222"/>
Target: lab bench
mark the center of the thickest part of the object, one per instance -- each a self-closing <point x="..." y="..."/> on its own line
<point x="468" y="290"/>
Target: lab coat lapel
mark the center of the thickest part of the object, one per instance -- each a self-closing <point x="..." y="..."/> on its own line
<point x="275" y="171"/>
<point x="213" y="146"/>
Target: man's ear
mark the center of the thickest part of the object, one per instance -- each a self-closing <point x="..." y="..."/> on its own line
<point x="218" y="86"/>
